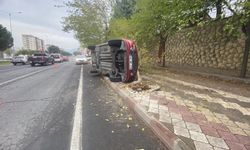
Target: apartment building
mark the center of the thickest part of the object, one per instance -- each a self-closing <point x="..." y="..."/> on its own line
<point x="32" y="43"/>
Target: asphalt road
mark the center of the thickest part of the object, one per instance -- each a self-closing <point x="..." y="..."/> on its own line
<point x="37" y="111"/>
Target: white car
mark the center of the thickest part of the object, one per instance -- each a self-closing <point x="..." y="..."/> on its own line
<point x="57" y="58"/>
<point x="81" y="59"/>
<point x="21" y="59"/>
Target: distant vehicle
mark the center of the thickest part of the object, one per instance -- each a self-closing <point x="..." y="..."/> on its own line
<point x="57" y="58"/>
<point x="21" y="59"/>
<point x="41" y="58"/>
<point x="81" y="59"/>
<point x="117" y="58"/>
<point x="65" y="58"/>
<point x="89" y="58"/>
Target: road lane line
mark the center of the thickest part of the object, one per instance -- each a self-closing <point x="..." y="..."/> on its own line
<point x="76" y="143"/>
<point x="21" y="77"/>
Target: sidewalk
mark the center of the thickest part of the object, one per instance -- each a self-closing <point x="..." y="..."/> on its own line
<point x="190" y="116"/>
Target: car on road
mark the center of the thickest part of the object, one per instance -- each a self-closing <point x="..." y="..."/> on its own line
<point x="57" y="58"/>
<point x="21" y="59"/>
<point x="81" y="59"/>
<point x="41" y="58"/>
<point x="117" y="58"/>
<point x="65" y="58"/>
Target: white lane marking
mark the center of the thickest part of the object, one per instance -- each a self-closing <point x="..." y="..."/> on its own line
<point x="76" y="143"/>
<point x="21" y="77"/>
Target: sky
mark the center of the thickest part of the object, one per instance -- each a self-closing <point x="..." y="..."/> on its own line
<point x="39" y="18"/>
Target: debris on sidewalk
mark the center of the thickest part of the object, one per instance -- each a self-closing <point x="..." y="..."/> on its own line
<point x="142" y="86"/>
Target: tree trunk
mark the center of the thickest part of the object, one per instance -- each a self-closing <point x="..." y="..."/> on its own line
<point x="246" y="51"/>
<point x="218" y="9"/>
<point x="161" y="52"/>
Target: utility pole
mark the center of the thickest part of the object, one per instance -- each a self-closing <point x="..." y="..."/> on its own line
<point x="11" y="31"/>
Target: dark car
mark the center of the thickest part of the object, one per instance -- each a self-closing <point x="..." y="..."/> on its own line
<point x="41" y="58"/>
<point x="116" y="58"/>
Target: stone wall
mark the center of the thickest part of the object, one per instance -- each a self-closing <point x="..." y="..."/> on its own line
<point x="207" y="48"/>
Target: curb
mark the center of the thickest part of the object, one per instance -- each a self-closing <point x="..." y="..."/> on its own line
<point x="167" y="137"/>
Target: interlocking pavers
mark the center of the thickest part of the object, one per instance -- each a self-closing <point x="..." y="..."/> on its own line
<point x="193" y="127"/>
<point x="217" y="142"/>
<point x="228" y="123"/>
<point x="247" y="147"/>
<point x="247" y="132"/>
<point x="209" y="131"/>
<point x="172" y="109"/>
<point x="228" y="136"/>
<point x="199" y="116"/>
<point x="202" y="146"/>
<point x="153" y="105"/>
<point x="198" y="136"/>
<point x="165" y="118"/>
<point x="219" y="126"/>
<point x="144" y="102"/>
<point x="175" y="115"/>
<point x="243" y="139"/>
<point x="243" y="125"/>
<point x="189" y="118"/>
<point x="237" y="131"/>
<point x="178" y="122"/>
<point x="153" y="110"/>
<point x="205" y="123"/>
<point x="163" y="107"/>
<point x="181" y="131"/>
<point x="217" y="148"/>
<point x="235" y="146"/>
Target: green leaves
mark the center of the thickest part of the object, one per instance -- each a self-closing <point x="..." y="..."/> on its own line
<point x="6" y="40"/>
<point x="53" y="49"/>
<point x="88" y="20"/>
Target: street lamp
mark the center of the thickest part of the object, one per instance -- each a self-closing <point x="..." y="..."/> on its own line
<point x="10" y="14"/>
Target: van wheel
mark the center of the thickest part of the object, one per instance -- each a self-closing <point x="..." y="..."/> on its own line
<point x="115" y="79"/>
<point x="32" y="64"/>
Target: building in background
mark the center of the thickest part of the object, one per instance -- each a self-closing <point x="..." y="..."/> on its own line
<point x="32" y="43"/>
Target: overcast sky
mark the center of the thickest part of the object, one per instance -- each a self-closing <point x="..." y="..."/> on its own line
<point x="39" y="18"/>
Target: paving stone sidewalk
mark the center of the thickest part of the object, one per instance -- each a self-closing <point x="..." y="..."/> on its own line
<point x="199" y="127"/>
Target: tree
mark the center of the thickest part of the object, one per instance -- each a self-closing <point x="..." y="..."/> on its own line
<point x="65" y="53"/>
<point x="53" y="49"/>
<point x="6" y="40"/>
<point x="89" y="20"/>
<point x="124" y="8"/>
<point x="25" y="52"/>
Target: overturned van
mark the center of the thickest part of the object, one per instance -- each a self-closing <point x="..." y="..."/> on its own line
<point x="117" y="58"/>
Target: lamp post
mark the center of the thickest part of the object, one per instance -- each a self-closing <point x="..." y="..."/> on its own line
<point x="11" y="31"/>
